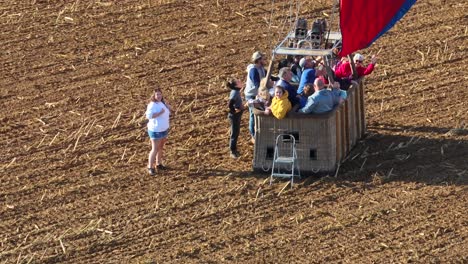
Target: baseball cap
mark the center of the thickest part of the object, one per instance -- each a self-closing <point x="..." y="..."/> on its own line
<point x="358" y="57"/>
<point x="257" y="55"/>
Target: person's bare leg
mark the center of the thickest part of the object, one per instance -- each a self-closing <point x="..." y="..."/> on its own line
<point x="153" y="152"/>
<point x="159" y="153"/>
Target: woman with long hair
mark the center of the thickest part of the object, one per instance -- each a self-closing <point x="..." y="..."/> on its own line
<point x="157" y="113"/>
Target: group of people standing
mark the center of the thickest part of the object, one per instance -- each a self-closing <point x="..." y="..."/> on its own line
<point x="277" y="96"/>
<point x="270" y="96"/>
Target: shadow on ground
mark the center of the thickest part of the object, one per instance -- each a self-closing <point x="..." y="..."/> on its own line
<point x="441" y="159"/>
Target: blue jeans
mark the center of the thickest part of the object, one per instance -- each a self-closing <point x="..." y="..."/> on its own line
<point x="157" y="135"/>
<point x="251" y="122"/>
<point x="251" y="118"/>
<point x="235" y="120"/>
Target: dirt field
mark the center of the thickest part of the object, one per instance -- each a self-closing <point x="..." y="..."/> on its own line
<point x="75" y="79"/>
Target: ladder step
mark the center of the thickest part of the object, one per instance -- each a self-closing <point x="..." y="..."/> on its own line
<point x="286" y="145"/>
<point x="283" y="175"/>
<point x="284" y="160"/>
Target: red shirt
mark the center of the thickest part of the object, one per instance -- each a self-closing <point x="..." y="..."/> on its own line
<point x="344" y="70"/>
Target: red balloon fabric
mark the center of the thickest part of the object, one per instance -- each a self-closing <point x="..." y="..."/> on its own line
<point x="363" y="21"/>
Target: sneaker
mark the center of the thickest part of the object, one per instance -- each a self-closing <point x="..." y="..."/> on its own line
<point x="161" y="167"/>
<point x="151" y="171"/>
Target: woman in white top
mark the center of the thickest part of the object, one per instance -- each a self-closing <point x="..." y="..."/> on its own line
<point x="157" y="113"/>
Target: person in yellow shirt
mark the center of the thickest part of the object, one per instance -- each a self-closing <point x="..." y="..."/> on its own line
<point x="280" y="105"/>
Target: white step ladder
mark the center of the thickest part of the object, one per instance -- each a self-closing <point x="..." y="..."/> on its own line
<point x="285" y="158"/>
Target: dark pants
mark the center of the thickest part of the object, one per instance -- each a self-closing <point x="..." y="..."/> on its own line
<point x="344" y="83"/>
<point x="235" y="120"/>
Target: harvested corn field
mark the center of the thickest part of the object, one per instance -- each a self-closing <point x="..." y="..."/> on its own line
<point x="76" y="78"/>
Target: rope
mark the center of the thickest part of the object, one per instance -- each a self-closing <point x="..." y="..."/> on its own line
<point x="332" y="18"/>
<point x="287" y="18"/>
<point x="298" y="7"/>
<point x="267" y="168"/>
<point x="281" y="25"/>
<point x="270" y="35"/>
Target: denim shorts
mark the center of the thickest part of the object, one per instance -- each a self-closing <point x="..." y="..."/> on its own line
<point x="157" y="135"/>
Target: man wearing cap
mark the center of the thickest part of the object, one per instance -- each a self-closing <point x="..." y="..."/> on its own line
<point x="308" y="74"/>
<point x="285" y="76"/>
<point x="255" y="72"/>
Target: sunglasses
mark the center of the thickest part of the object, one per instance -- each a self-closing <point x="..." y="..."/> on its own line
<point x="360" y="61"/>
